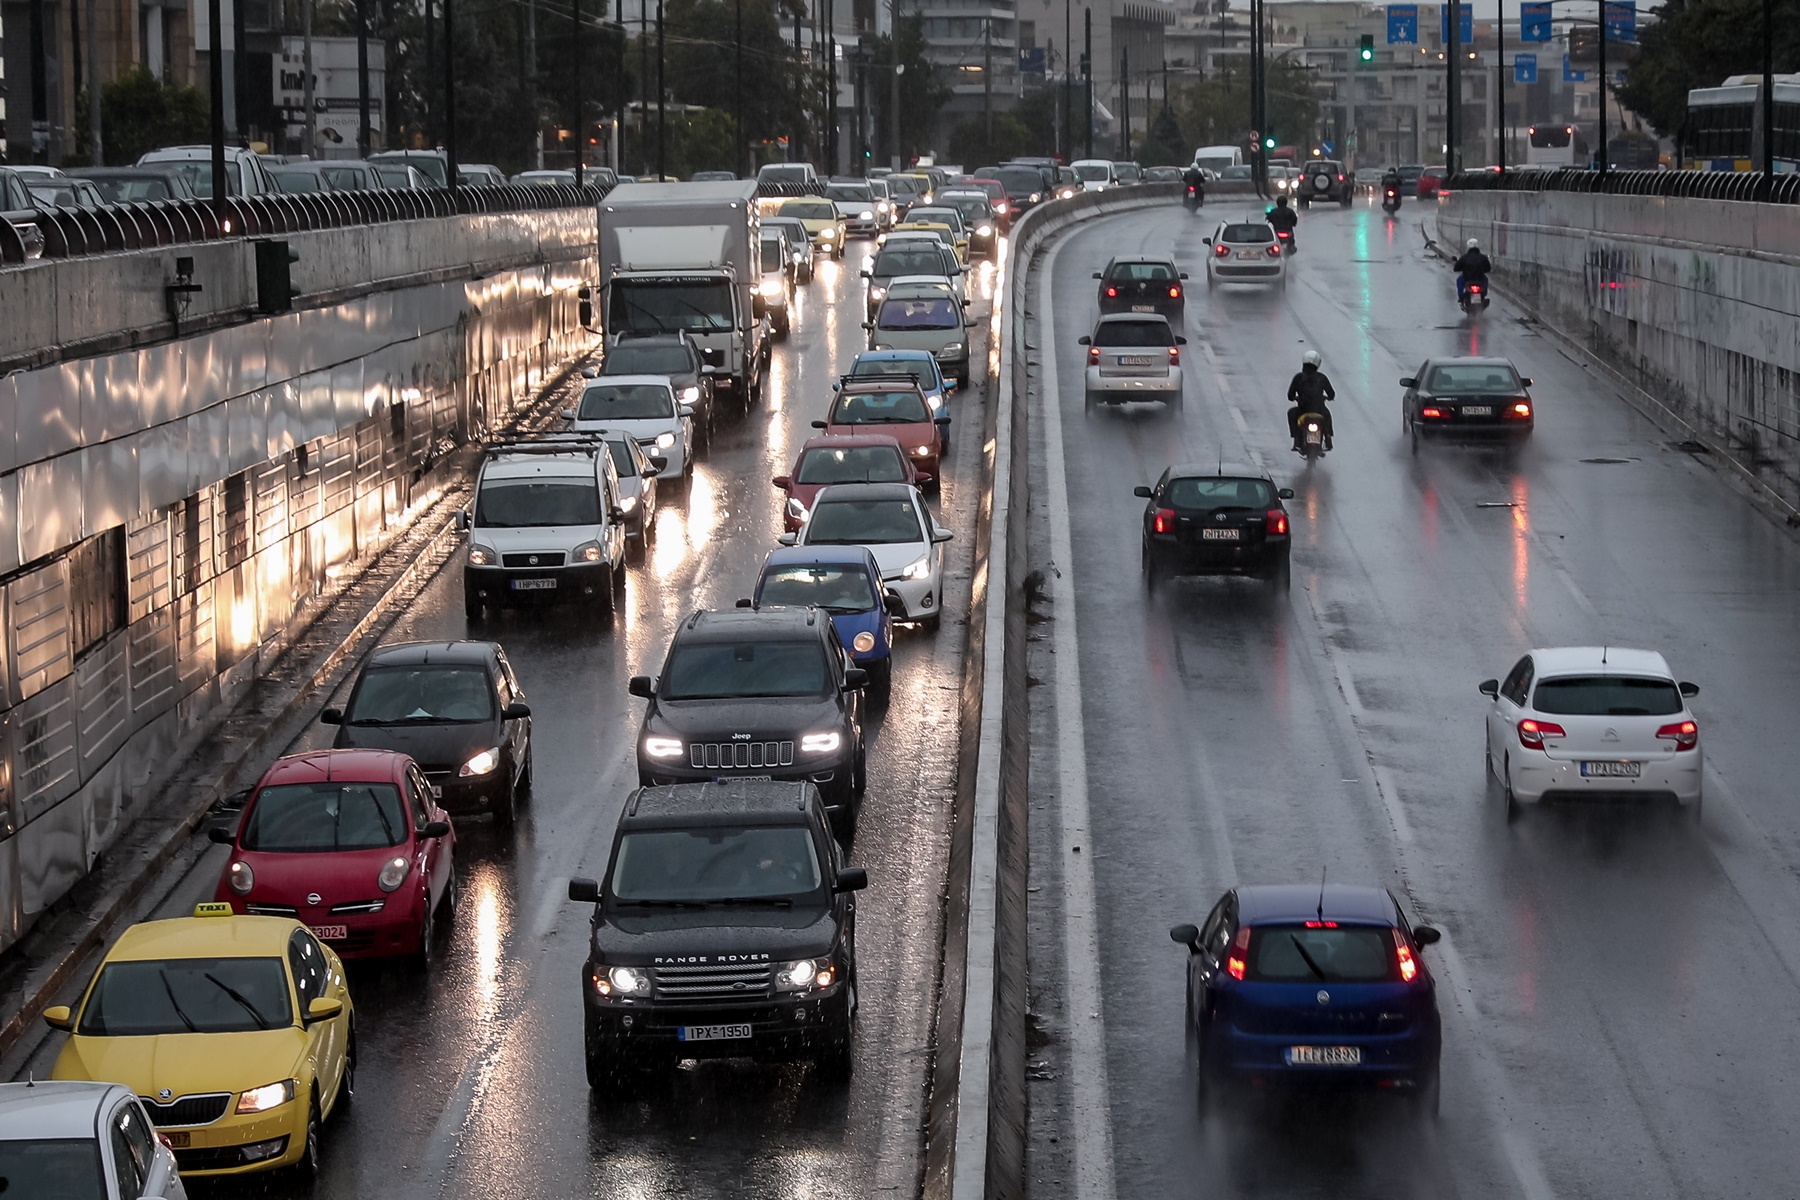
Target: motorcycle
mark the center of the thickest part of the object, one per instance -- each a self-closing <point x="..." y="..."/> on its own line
<point x="1194" y="197"/>
<point x="1474" y="293"/>
<point x="1390" y="200"/>
<point x="1312" y="436"/>
<point x="1286" y="238"/>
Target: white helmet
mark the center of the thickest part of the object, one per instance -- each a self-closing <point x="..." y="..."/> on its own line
<point x="1474" y="243"/>
<point x="1311" y="358"/>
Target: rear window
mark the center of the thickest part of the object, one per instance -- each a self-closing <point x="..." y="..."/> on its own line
<point x="1607" y="696"/>
<point x="1020" y="179"/>
<point x="66" y="1168"/>
<point x="1499" y="380"/>
<point x="720" y="670"/>
<point x="1141" y="272"/>
<point x="890" y="263"/>
<point x="1093" y="172"/>
<point x="906" y="186"/>
<point x="1219" y="493"/>
<point x="626" y="402"/>
<point x="1320" y="952"/>
<point x="1249" y="233"/>
<point x="1134" y="333"/>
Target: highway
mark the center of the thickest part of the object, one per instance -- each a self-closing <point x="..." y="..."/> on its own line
<point x="1616" y="982"/>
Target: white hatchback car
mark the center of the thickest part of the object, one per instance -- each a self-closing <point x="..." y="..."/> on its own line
<point x="1245" y="251"/>
<point x="82" y="1139"/>
<point x="892" y="521"/>
<point x="643" y="406"/>
<point x="1133" y="356"/>
<point x="1593" y="720"/>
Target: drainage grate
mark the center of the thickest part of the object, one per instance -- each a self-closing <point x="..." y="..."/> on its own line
<point x="1609" y="460"/>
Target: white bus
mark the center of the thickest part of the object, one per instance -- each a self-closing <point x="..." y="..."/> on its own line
<point x="1557" y="146"/>
<point x="1724" y="125"/>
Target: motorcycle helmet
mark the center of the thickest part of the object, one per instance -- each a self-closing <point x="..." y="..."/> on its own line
<point x="1281" y="201"/>
<point x="1474" y="243"/>
<point x="1311" y="359"/>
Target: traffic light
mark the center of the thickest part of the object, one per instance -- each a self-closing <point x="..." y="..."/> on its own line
<point x="1365" y="47"/>
<point x="1269" y="142"/>
<point x="867" y="153"/>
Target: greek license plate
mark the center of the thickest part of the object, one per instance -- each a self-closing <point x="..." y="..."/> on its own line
<point x="1477" y="410"/>
<point x="711" y="1033"/>
<point x="331" y="933"/>
<point x="1249" y="254"/>
<point x="176" y="1139"/>
<point x="534" y="585"/>
<point x="1136" y="360"/>
<point x="1209" y="534"/>
<point x="1612" y="770"/>
<point x="1324" y="1056"/>
<point x="1143" y="308"/>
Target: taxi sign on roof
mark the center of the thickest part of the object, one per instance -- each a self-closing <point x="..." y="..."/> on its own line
<point x="213" y="909"/>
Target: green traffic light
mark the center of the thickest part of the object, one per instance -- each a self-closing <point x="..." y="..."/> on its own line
<point x="1269" y="143"/>
<point x="1368" y="55"/>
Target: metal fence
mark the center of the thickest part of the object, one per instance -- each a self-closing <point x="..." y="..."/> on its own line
<point x="74" y="232"/>
<point x="1753" y="186"/>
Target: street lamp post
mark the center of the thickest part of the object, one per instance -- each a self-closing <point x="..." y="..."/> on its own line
<point x="580" y="123"/>
<point x="1453" y="92"/>
<point x="449" y="97"/>
<point x="662" y="164"/>
<point x="737" y="94"/>
<point x="215" y="71"/>
<point x="1500" y="70"/>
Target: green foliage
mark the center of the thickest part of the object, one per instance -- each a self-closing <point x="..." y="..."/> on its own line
<point x="139" y="112"/>
<point x="1698" y="43"/>
<point x="922" y="93"/>
<point x="1163" y="144"/>
<point x="970" y="145"/>
<point x="702" y="141"/>
<point x="778" y="92"/>
<point x="1216" y="111"/>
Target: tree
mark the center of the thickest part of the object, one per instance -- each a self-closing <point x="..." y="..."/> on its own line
<point x="970" y="145"/>
<point x="922" y="93"/>
<point x="1698" y="43"/>
<point x="140" y="112"/>
<point x="1216" y="111"/>
<point x="779" y="91"/>
<point x="1163" y="144"/>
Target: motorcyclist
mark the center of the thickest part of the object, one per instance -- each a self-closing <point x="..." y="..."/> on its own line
<point x="1472" y="265"/>
<point x="1283" y="218"/>
<point x="1390" y="181"/>
<point x="1308" y="393"/>
<point x="1195" y="179"/>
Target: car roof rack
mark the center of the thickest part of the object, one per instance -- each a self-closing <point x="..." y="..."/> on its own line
<point x="905" y="377"/>
<point x="588" y="441"/>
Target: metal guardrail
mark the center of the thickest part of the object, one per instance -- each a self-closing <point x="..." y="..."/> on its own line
<point x="1749" y="186"/>
<point x="76" y="232"/>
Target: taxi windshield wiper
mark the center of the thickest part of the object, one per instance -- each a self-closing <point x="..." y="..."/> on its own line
<point x="1309" y="958"/>
<point x="256" y="1014"/>
<point x="174" y="1003"/>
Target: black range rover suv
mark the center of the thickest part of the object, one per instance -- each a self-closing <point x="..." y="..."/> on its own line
<point x="724" y="927"/>
<point x="757" y="694"/>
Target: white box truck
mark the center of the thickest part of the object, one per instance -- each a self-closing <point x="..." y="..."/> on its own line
<point x="682" y="256"/>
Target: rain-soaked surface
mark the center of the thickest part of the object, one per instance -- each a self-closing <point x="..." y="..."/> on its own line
<point x="1618" y="983"/>
<point x="470" y="1082"/>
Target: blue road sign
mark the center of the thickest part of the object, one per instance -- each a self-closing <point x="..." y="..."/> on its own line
<point x="1328" y="148"/>
<point x="1524" y="68"/>
<point x="1570" y="75"/>
<point x="1031" y="61"/>
<point x="1534" y="22"/>
<point x="1621" y="20"/>
<point x="1465" y="26"/>
<point x="1403" y="24"/>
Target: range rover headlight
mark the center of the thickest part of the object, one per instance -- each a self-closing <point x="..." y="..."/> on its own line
<point x="629" y="981"/>
<point x="806" y="974"/>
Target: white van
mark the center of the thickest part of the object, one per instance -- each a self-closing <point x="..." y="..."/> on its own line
<point x="1096" y="174"/>
<point x="546" y="522"/>
<point x="1217" y="158"/>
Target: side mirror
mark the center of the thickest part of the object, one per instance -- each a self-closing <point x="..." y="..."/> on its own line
<point x="518" y="710"/>
<point x="1084" y="340"/>
<point x="220" y="835"/>
<point x="868" y="274"/>
<point x="332" y="716"/>
<point x="462" y="520"/>
<point x="1286" y="493"/>
<point x="783" y="482"/>
<point x="642" y="686"/>
<point x="58" y="1016"/>
<point x="891" y="600"/>
<point x="1524" y="381"/>
<point x="1425" y="935"/>
<point x="1205" y="242"/>
<point x="435" y="829"/>
<point x="965" y="304"/>
<point x="568" y="414"/>
<point x="590" y="372"/>
<point x="1409" y="381"/>
<point x="584" y="891"/>
<point x="922" y="477"/>
<point x="940" y="535"/>
<point x="1689" y="689"/>
<point x="745" y="602"/>
<point x="868" y="324"/>
<point x="1490" y="688"/>
<point x="851" y="879"/>
<point x="1180" y="340"/>
<point x="943" y="421"/>
<point x="1184" y="274"/>
<point x="818" y="425"/>
<point x="323" y="1008"/>
<point x="1187" y="935"/>
<point x="584" y="313"/>
<point x="1096" y="274"/>
<point x="855" y="677"/>
<point x="686" y="410"/>
<point x="1142" y="491"/>
<point x="788" y="539"/>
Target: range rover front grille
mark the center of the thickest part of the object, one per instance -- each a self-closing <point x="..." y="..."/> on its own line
<point x="721" y="981"/>
<point x="740" y="756"/>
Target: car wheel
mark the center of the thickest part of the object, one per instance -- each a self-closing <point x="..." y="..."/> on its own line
<point x="618" y="574"/>
<point x="525" y="776"/>
<point x="603" y="600"/>
<point x="503" y="807"/>
<point x="1173" y="403"/>
<point x="306" y="1168"/>
<point x="1414" y="430"/>
<point x="1425" y="1095"/>
<point x="346" y="1088"/>
<point x="1512" y="801"/>
<point x="452" y="897"/>
<point x="1210" y="282"/>
<point x="881" y="680"/>
<point x="1155" y="574"/>
<point x="1089" y="404"/>
<point x="471" y="605"/>
<point x="837" y="1061"/>
<point x="859" y="774"/>
<point x="635" y="547"/>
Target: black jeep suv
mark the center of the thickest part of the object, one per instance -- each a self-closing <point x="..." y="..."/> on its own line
<point x="758" y="694"/>
<point x="724" y="927"/>
<point x="1324" y="179"/>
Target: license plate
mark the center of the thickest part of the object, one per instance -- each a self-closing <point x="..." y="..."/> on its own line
<point x="1477" y="410"/>
<point x="331" y="933"/>
<point x="1136" y="360"/>
<point x="711" y="1033"/>
<point x="1252" y="254"/>
<point x="175" y="1139"/>
<point x="1143" y="308"/>
<point x="1324" y="1056"/>
<point x="1612" y="770"/>
<point x="1210" y="534"/>
<point x="534" y="585"/>
<point x="754" y="778"/>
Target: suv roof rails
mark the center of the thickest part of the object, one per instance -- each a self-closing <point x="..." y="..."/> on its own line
<point x="882" y="377"/>
<point x="550" y="443"/>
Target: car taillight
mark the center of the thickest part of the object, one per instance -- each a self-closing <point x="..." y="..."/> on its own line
<point x="1165" y="520"/>
<point x="1275" y="250"/>
<point x="1340" y="179"/>
<point x="1093" y="356"/>
<point x="1520" y="409"/>
<point x="1174" y="357"/>
<point x="1240" y="953"/>
<point x="1277" y="521"/>
<point x="1221" y="250"/>
<point x="1403" y="956"/>
<point x="1111" y="292"/>
<point x="1433" y="413"/>
<point x="1532" y="733"/>
<point x="1685" y="733"/>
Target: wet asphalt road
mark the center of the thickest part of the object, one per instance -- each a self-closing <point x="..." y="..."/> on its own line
<point x="470" y="1082"/>
<point x="1618" y="984"/>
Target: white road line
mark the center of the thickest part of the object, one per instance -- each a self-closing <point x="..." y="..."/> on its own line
<point x="1237" y="418"/>
<point x="1091" y="1115"/>
<point x="1568" y="581"/>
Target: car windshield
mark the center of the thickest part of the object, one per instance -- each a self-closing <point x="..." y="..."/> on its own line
<point x="534" y="503"/>
<point x="663" y="306"/>
<point x="346" y="179"/>
<point x="1093" y="172"/>
<point x="717" y="670"/>
<point x="848" y="192"/>
<point x="1607" y="696"/>
<point x="916" y="368"/>
<point x="53" y="1168"/>
<point x="436" y="695"/>
<point x="851" y="464"/>
<point x="698" y="865"/>
<point x="879" y="408"/>
<point x="772" y="257"/>
<point x="1019" y="179"/>
<point x="1142" y="272"/>
<point x="1128" y="171"/>
<point x="125" y="189"/>
<point x="627" y="359"/>
<point x="779" y="173"/>
<point x="295" y="182"/>
<point x="187" y="995"/>
<point x="838" y="588"/>
<point x="919" y="314"/>
<point x="626" y="402"/>
<point x="810" y="210"/>
<point x="863" y="523"/>
<point x="905" y="187"/>
<point x="970" y="208"/>
<point x="1219" y="493"/>
<point x="1249" y="233"/>
<point x="623" y="463"/>
<point x="1133" y="333"/>
<point x="1484" y="378"/>
<point x="311" y="818"/>
<point x="892" y="263"/>
<point x="1236" y="171"/>
<point x="1319" y="952"/>
<point x="54" y="193"/>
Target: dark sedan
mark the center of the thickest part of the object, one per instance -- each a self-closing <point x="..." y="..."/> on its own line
<point x="671" y="354"/>
<point x="1215" y="519"/>
<point x="1466" y="397"/>
<point x="457" y="709"/>
<point x="1139" y="284"/>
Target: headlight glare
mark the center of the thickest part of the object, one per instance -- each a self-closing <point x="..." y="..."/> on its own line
<point x="588" y="552"/>
<point x="866" y="216"/>
<point x="664" y="440"/>
<point x="241" y="878"/>
<point x="920" y="569"/>
<point x="266" y="1097"/>
<point x="796" y="510"/>
<point x="393" y="873"/>
<point x="663" y="747"/>
<point x="481" y="556"/>
<point x="629" y="981"/>
<point x="803" y="974"/>
<point x="820" y="743"/>
<point x="480" y="764"/>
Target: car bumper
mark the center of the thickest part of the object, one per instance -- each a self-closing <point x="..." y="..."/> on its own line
<point x="1175" y="310"/>
<point x="1536" y="777"/>
<point x="1118" y="389"/>
<point x="1388" y="1060"/>
<point x="235" y="1145"/>
<point x="919" y="598"/>
<point x="1220" y="558"/>
<point x="1475" y="428"/>
<point x="391" y="932"/>
<point x="501" y="585"/>
<point x="859" y="228"/>
<point x="782" y="1028"/>
<point x="468" y="793"/>
<point x="832" y="775"/>
<point x="1247" y="272"/>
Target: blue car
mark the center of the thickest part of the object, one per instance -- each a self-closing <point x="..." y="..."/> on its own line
<point x="920" y="365"/>
<point x="1313" y="986"/>
<point x="846" y="582"/>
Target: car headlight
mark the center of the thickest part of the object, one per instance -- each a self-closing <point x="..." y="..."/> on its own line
<point x="690" y="394"/>
<point x="241" y="878"/>
<point x="1000" y="208"/>
<point x="769" y="287"/>
<point x="863" y="642"/>
<point x="266" y="1097"/>
<point x="867" y="216"/>
<point x="481" y="556"/>
<point x="920" y="451"/>
<point x="879" y="346"/>
<point x="876" y="293"/>
<point x="665" y="440"/>
<point x="821" y="743"/>
<point x="393" y="873"/>
<point x="918" y="570"/>
<point x="799" y="257"/>
<point x="627" y="503"/>
<point x="663" y="747"/>
<point x="951" y="350"/>
<point x="481" y="764"/>
<point x="935" y="401"/>
<point x="625" y="981"/>
<point x="1035" y="197"/>
<point x="807" y="973"/>
<point x="587" y="552"/>
<point x="883" y="206"/>
<point x="984" y="230"/>
<point x="796" y="510"/>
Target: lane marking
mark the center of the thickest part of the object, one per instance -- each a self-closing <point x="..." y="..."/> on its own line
<point x="1581" y="600"/>
<point x="1090" y="1117"/>
<point x="1237" y="418"/>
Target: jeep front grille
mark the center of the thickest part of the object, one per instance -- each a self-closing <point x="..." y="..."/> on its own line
<point x="740" y="756"/>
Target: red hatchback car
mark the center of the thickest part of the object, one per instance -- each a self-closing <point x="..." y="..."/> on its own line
<point x="859" y="458"/>
<point x="1430" y="180"/>
<point x="893" y="407"/>
<point x="350" y="842"/>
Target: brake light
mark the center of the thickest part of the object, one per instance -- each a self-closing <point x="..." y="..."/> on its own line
<point x="1174" y="356"/>
<point x="1221" y="250"/>
<point x="1277" y="521"/>
<point x="1432" y="413"/>
<point x="1533" y="732"/>
<point x="1165" y="520"/>
<point x="1403" y="956"/>
<point x="1275" y="250"/>
<point x="1174" y="293"/>
<point x="1093" y="356"/>
<point x="1475" y="289"/>
<point x="1111" y="292"/>
<point x="1520" y="409"/>
<point x="1686" y="734"/>
<point x="1240" y="954"/>
<point x="1321" y="924"/>
<point x="1340" y="179"/>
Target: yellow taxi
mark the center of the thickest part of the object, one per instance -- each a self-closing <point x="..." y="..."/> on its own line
<point x="236" y="1031"/>
<point x="824" y="223"/>
<point x="938" y="229"/>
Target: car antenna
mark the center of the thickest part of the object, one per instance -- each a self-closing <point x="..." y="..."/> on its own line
<point x="1603" y="651"/>
<point x="1322" y="871"/>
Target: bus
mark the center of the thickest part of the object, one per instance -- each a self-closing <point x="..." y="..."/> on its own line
<point x="1633" y="150"/>
<point x="1724" y="126"/>
<point x="1556" y="146"/>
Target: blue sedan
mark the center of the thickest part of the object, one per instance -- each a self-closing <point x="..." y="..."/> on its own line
<point x="1313" y="986"/>
<point x="845" y="581"/>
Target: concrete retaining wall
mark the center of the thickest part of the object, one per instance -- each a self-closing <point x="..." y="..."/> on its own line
<point x="1698" y="301"/>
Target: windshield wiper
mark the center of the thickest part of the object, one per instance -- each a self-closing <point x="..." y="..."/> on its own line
<point x="179" y="1011"/>
<point x="713" y="320"/>
<point x="626" y="297"/>
<point x="658" y="904"/>
<point x="403" y="721"/>
<point x="256" y="1015"/>
<point x="1309" y="958"/>
<point x="771" y="901"/>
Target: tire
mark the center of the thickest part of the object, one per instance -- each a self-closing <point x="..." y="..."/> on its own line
<point x="1414" y="430"/>
<point x="525" y="776"/>
<point x="346" y="1088"/>
<point x="618" y="572"/>
<point x="1506" y="788"/>
<point x="1173" y="405"/>
<point x="837" y="1061"/>
<point x="306" y="1169"/>
<point x="452" y="898"/>
<point x="881" y="680"/>
<point x="505" y="808"/>
<point x="1211" y="283"/>
<point x="1693" y="812"/>
<point x="1425" y="1095"/>
<point x="603" y="600"/>
<point x="859" y="776"/>
<point x="636" y="550"/>
<point x="932" y="623"/>
<point x="1089" y="405"/>
<point x="471" y="605"/>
